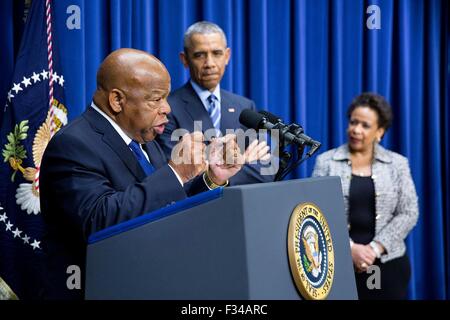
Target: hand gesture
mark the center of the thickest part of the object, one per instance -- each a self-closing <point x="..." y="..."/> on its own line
<point x="225" y="159"/>
<point x="188" y="156"/>
<point x="257" y="151"/>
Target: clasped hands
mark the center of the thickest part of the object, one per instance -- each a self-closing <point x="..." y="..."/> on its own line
<point x="222" y="158"/>
<point x="363" y="256"/>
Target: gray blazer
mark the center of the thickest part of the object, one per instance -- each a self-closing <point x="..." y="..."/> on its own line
<point x="396" y="202"/>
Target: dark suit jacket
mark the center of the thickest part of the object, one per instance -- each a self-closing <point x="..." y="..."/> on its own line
<point x="187" y="107"/>
<point x="90" y="180"/>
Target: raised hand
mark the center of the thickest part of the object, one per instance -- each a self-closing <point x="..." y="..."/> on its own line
<point x="224" y="158"/>
<point x="188" y="156"/>
<point x="257" y="151"/>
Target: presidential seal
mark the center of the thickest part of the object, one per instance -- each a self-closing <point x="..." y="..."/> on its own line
<point x="311" y="252"/>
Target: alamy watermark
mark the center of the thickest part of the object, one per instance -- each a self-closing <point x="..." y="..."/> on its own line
<point x="373" y="22"/>
<point x="270" y="166"/>
<point x="74" y="279"/>
<point x="374" y="280"/>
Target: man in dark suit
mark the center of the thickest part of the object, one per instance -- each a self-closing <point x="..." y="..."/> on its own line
<point x="105" y="167"/>
<point x="201" y="102"/>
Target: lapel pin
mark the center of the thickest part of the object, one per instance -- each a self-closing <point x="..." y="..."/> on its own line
<point x="231" y="109"/>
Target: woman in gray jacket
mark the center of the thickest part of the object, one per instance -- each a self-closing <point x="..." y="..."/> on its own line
<point x="379" y="197"/>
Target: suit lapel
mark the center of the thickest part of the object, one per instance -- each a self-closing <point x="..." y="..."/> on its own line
<point x="195" y="108"/>
<point x="115" y="142"/>
<point x="155" y="154"/>
<point x="228" y="112"/>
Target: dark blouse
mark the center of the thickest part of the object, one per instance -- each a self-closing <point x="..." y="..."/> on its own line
<point x="362" y="209"/>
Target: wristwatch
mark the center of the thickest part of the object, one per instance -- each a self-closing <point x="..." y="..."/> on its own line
<point x="211" y="185"/>
<point x="375" y="248"/>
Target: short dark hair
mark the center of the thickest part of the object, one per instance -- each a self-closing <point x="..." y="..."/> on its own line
<point x="201" y="27"/>
<point x="375" y="102"/>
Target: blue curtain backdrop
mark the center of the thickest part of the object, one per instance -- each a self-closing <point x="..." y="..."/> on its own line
<point x="303" y="60"/>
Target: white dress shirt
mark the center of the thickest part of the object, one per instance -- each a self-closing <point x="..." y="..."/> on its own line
<point x="126" y="138"/>
<point x="204" y="94"/>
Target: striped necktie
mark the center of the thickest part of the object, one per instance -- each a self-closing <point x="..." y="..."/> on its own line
<point x="214" y="112"/>
<point x="145" y="164"/>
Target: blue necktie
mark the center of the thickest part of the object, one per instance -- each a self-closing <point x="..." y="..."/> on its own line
<point x="214" y="112"/>
<point x="145" y="164"/>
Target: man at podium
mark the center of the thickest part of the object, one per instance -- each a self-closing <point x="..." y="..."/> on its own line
<point x="105" y="167"/>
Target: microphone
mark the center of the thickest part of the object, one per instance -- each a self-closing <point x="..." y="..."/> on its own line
<point x="255" y="120"/>
<point x="266" y="120"/>
<point x="294" y="128"/>
<point x="270" y="116"/>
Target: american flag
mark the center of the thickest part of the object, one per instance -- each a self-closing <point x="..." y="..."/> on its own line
<point x="34" y="111"/>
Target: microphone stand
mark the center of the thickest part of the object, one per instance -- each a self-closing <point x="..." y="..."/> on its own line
<point x="284" y="170"/>
<point x="285" y="157"/>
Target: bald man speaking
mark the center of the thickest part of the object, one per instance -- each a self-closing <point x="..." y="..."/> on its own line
<point x="105" y="167"/>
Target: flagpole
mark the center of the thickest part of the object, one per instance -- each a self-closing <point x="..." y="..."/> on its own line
<point x="48" y="16"/>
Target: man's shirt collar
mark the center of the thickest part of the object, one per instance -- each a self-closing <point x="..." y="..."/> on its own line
<point x="203" y="93"/>
<point x="119" y="130"/>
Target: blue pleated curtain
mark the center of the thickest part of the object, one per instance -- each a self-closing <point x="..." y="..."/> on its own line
<point x="302" y="60"/>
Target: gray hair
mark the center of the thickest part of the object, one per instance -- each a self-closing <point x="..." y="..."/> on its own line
<point x="201" y="27"/>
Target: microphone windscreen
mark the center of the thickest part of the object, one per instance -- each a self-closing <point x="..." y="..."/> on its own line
<point x="271" y="117"/>
<point x="251" y="119"/>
